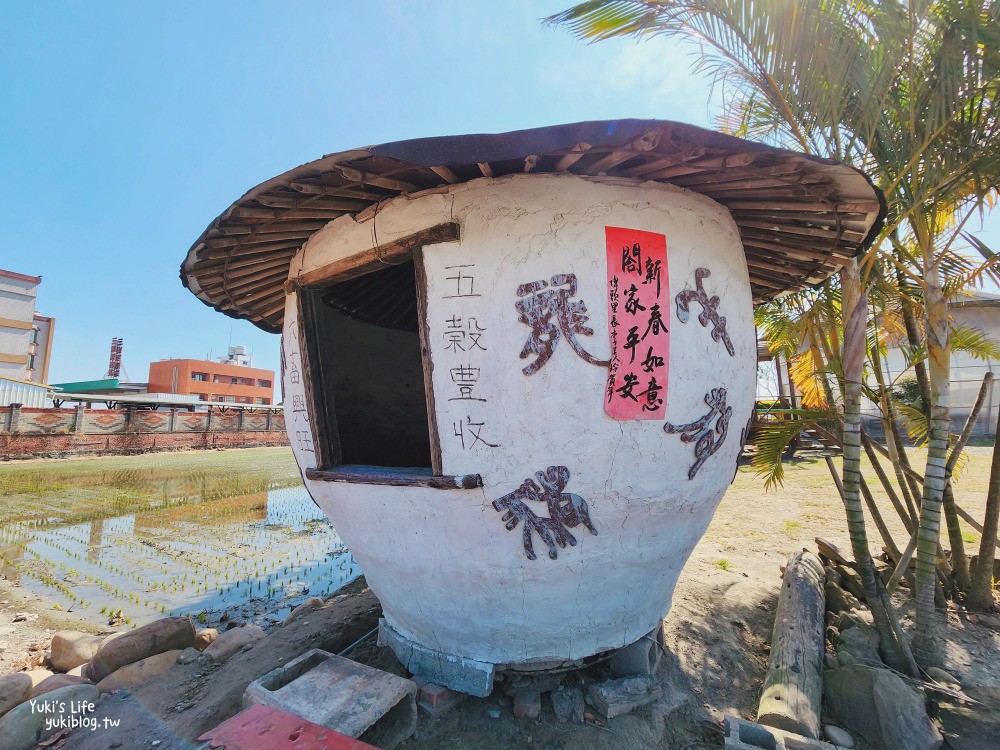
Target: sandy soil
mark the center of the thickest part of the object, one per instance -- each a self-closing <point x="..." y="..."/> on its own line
<point x="716" y="632"/>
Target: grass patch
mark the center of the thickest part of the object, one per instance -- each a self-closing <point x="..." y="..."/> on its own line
<point x="724" y="564"/>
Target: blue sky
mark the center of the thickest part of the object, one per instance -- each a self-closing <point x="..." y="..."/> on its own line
<point x="125" y="128"/>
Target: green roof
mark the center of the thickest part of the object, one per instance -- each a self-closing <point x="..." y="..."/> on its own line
<point x="85" y="386"/>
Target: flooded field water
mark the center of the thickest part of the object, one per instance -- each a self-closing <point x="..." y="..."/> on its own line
<point x="127" y="539"/>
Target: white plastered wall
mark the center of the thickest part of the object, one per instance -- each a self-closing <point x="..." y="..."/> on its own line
<point x="448" y="573"/>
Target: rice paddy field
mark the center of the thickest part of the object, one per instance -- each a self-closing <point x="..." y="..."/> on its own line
<point x="127" y="539"/>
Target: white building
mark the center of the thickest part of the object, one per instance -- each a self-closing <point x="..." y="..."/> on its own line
<point x="25" y="336"/>
<point x="982" y="312"/>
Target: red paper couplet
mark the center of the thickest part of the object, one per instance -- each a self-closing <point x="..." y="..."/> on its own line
<point x="638" y="316"/>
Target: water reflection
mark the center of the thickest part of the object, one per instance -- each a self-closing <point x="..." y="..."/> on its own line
<point x="154" y="540"/>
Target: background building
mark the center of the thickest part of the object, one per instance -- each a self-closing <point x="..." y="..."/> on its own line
<point x="231" y="379"/>
<point x="25" y="336"/>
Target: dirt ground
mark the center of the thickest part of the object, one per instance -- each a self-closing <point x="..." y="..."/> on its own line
<point x="716" y="634"/>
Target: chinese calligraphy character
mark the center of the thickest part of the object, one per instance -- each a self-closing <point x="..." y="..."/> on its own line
<point x="652" y="394"/>
<point x="632" y="304"/>
<point x="464" y="285"/>
<point x="653" y="274"/>
<point x="565" y="510"/>
<point x="632" y="259"/>
<point x="655" y="322"/>
<point x="550" y="312"/>
<point x="630" y="382"/>
<point x="631" y="340"/>
<point x="709" y="309"/>
<point x="475" y="435"/>
<point x="304" y="440"/>
<point x="299" y="407"/>
<point x="706" y="438"/>
<point x="651" y="361"/>
<point x="460" y="339"/>
<point x="465" y="377"/>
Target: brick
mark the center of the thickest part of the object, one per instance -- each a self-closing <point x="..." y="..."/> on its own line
<point x="617" y="697"/>
<point x="527" y="705"/>
<point x="436" y="700"/>
<point x="434" y="694"/>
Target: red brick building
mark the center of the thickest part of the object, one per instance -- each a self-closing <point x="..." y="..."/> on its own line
<point x="212" y="381"/>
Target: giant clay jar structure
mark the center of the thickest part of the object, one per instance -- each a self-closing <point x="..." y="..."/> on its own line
<point x="518" y="369"/>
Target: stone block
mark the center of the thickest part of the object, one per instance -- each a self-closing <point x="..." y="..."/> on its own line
<point x="71" y="648"/>
<point x="880" y="706"/>
<point x="741" y="734"/>
<point x="232" y="641"/>
<point x="350" y="698"/>
<point x="205" y="637"/>
<point x="141" y="671"/>
<point x="168" y="634"/>
<point x="616" y="697"/>
<point x="567" y="704"/>
<point x="15" y="689"/>
<point x="55" y="682"/>
<point x="188" y="655"/>
<point x="456" y="672"/>
<point x="32" y="721"/>
<point x="303" y="609"/>
<point x="527" y="705"/>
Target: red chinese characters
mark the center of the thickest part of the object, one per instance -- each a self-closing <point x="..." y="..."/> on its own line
<point x="638" y="319"/>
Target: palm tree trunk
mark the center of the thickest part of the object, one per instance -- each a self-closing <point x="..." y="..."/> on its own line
<point x="981" y="592"/>
<point x="913" y="336"/>
<point x="958" y="559"/>
<point x="853" y="355"/>
<point x="925" y="642"/>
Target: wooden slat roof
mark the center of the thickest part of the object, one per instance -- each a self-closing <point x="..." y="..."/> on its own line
<point x="800" y="217"/>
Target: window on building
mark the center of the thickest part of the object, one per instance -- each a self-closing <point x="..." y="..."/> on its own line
<point x="202" y="397"/>
<point x="365" y="356"/>
<point x="263" y="383"/>
<point x="31" y="361"/>
<point x="216" y="379"/>
<point x="199" y="376"/>
<point x="34" y="335"/>
<point x="229" y="399"/>
<point x="259" y="401"/>
<point x="236" y="381"/>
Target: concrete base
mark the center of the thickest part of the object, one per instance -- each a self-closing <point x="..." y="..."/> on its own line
<point x="746" y="735"/>
<point x="358" y="701"/>
<point x="456" y="672"/>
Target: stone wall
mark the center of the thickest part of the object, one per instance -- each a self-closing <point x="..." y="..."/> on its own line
<point x="30" y="433"/>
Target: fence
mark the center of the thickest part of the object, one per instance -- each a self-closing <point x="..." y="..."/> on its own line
<point x="26" y="432"/>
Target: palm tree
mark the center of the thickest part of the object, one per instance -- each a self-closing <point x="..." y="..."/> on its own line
<point x="908" y="92"/>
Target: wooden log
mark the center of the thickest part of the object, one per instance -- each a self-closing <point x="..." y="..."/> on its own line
<point x="793" y="687"/>
<point x="375" y="258"/>
<point x="828" y="549"/>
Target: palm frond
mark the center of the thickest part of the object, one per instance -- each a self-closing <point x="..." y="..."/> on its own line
<point x="972" y="341"/>
<point x="772" y="438"/>
<point x="914" y="422"/>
